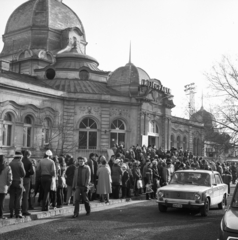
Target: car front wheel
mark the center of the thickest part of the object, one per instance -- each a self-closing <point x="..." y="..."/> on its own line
<point x="162" y="208"/>
<point x="222" y="204"/>
<point x="205" y="209"/>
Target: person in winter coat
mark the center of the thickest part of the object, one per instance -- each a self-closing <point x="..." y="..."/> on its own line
<point x="16" y="188"/>
<point x="104" y="186"/>
<point x="149" y="181"/>
<point x="137" y="177"/>
<point x="28" y="166"/>
<point x="227" y="177"/>
<point x="156" y="178"/>
<point x="69" y="175"/>
<point x="116" y="178"/>
<point x="5" y="182"/>
<point x="126" y="186"/>
<point x="47" y="171"/>
<point x="82" y="178"/>
<point x="92" y="163"/>
<point x="219" y="168"/>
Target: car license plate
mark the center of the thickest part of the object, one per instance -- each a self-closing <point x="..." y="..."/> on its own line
<point x="177" y="205"/>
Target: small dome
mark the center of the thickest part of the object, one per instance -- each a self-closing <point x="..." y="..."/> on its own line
<point x="127" y="79"/>
<point x="203" y="116"/>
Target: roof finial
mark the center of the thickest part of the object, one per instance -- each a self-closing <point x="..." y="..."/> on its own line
<point x="130" y="53"/>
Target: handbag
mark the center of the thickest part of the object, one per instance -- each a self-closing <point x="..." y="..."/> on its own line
<point x="53" y="184"/>
<point x="139" y="184"/>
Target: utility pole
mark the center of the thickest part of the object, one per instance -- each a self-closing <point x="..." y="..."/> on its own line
<point x="190" y="89"/>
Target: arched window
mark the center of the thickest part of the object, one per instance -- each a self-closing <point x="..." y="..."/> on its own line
<point x="46" y="131"/>
<point x="153" y="127"/>
<point x="178" y="142"/>
<point x="184" y="143"/>
<point x="7" y="130"/>
<point x="172" y="140"/>
<point x="118" y="132"/>
<point x="87" y="134"/>
<point x="198" y="147"/>
<point x="28" y="131"/>
<point x="195" y="146"/>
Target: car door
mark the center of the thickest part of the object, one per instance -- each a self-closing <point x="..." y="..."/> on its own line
<point x="215" y="191"/>
<point x="220" y="185"/>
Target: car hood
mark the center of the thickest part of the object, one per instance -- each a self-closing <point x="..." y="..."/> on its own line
<point x="231" y="220"/>
<point x="184" y="188"/>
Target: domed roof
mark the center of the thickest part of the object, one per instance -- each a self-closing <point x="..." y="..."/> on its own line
<point x="45" y="13"/>
<point x="127" y="78"/>
<point x="203" y="116"/>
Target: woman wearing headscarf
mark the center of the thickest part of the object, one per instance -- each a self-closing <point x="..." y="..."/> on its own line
<point x="104" y="186"/>
<point x="5" y="182"/>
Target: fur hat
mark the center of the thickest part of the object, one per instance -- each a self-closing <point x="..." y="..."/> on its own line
<point x="17" y="154"/>
<point x="117" y="161"/>
<point x="49" y="153"/>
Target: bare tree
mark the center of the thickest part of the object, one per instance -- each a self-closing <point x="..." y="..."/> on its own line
<point x="223" y="88"/>
<point x="60" y="136"/>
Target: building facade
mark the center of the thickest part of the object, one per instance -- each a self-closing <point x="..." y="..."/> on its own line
<point x="53" y="95"/>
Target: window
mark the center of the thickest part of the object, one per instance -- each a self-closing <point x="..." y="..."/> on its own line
<point x="198" y="147"/>
<point x="83" y="75"/>
<point x="184" y="143"/>
<point x="172" y="140"/>
<point x="7" y="130"/>
<point x="27" y="131"/>
<point x="178" y="142"/>
<point x="118" y="132"/>
<point x="195" y="146"/>
<point x="153" y="127"/>
<point x="87" y="134"/>
<point x="46" y="131"/>
<point x="218" y="180"/>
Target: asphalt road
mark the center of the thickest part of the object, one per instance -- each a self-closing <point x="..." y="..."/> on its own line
<point x="141" y="220"/>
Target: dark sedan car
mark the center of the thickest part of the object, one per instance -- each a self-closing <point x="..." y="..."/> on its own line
<point x="229" y="222"/>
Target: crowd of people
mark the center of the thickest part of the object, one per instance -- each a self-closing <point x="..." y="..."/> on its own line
<point x="63" y="180"/>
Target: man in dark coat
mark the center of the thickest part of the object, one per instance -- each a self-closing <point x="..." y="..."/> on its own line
<point x="27" y="181"/>
<point x="92" y="163"/>
<point x="16" y="189"/>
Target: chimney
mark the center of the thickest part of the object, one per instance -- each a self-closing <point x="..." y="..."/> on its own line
<point x="4" y="65"/>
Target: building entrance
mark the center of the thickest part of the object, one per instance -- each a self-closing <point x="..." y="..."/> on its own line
<point x="152" y="141"/>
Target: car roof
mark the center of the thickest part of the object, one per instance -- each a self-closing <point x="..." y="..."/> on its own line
<point x="198" y="171"/>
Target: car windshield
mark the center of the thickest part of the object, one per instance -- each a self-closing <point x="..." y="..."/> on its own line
<point x="234" y="202"/>
<point x="192" y="178"/>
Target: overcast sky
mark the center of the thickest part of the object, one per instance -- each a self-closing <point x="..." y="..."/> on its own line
<point x="175" y="41"/>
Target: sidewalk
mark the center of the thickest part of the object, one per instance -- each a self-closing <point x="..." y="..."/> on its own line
<point x="38" y="214"/>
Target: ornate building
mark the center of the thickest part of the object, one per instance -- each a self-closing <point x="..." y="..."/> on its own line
<point x="53" y="95"/>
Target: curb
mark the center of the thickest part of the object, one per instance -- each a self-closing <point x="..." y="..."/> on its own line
<point x="37" y="214"/>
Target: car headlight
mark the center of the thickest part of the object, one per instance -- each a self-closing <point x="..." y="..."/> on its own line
<point x="160" y="194"/>
<point x="197" y="197"/>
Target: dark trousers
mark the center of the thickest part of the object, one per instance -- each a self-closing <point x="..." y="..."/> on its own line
<point x="64" y="195"/>
<point x="46" y="184"/>
<point x="15" y="199"/>
<point x="27" y="185"/>
<point x="53" y="198"/>
<point x="126" y="192"/>
<point x="2" y="198"/>
<point x="60" y="197"/>
<point x="115" y="191"/>
<point x="80" y="192"/>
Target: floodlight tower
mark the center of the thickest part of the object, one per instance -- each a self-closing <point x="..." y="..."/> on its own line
<point x="190" y="90"/>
